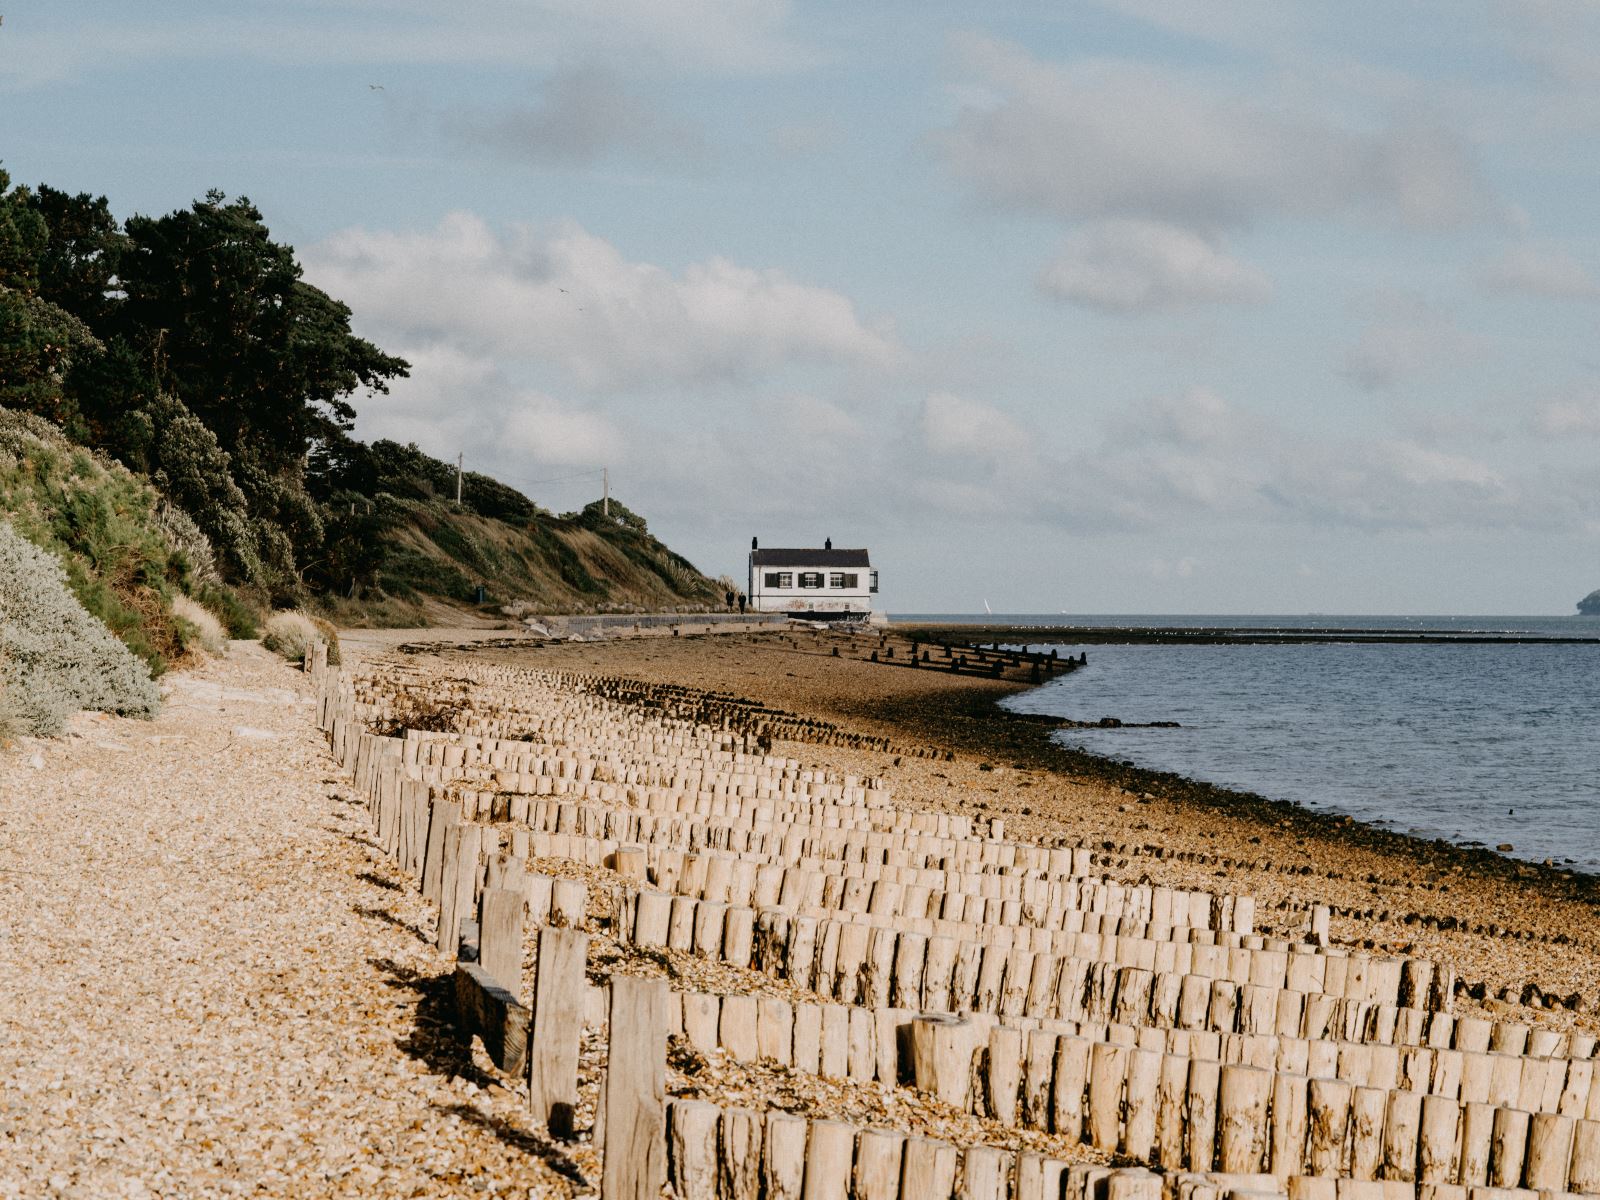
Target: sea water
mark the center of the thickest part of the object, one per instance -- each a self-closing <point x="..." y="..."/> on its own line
<point x="1478" y="743"/>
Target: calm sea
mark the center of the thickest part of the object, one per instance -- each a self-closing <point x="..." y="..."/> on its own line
<point x="1476" y="743"/>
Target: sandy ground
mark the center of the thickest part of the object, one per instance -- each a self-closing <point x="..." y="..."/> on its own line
<point x="208" y="984"/>
<point x="212" y="985"/>
<point x="1536" y="926"/>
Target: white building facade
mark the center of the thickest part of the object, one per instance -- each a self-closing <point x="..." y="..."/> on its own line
<point x="827" y="584"/>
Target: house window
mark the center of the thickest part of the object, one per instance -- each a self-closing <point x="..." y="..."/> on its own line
<point x="836" y="579"/>
<point x="843" y="579"/>
<point x="874" y="578"/>
<point x="810" y="579"/>
<point x="780" y="579"/>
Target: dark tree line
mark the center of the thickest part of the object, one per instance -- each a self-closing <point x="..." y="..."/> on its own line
<point x="190" y="347"/>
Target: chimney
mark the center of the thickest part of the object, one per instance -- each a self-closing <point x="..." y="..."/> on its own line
<point x="753" y="545"/>
<point x="827" y="544"/>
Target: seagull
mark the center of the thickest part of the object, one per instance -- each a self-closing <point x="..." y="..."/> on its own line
<point x="375" y="87"/>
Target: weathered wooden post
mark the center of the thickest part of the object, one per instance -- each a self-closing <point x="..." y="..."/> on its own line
<point x="634" y="1094"/>
<point x="557" y="1027"/>
<point x="941" y="1059"/>
<point x="693" y="1150"/>
<point x="500" y="938"/>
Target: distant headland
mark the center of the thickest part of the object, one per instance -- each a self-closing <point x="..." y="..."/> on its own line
<point x="1589" y="606"/>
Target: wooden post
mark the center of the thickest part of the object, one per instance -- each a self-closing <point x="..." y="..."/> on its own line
<point x="1071" y="1079"/>
<point x="983" y="1173"/>
<point x="1366" y="1131"/>
<point x="458" y="883"/>
<point x="500" y="938"/>
<point x="1477" y="1138"/>
<point x="1585" y="1173"/>
<point x="692" y="1149"/>
<point x="1139" y="1129"/>
<point x="1003" y="1077"/>
<point x="1549" y="1152"/>
<point x="1401" y="1131"/>
<point x="557" y="1027"/>
<point x="877" y="1175"/>
<point x="1108" y="1071"/>
<point x="828" y="1161"/>
<point x="1437" y="1139"/>
<point x="739" y="1161"/>
<point x="783" y="1159"/>
<point x="1204" y="1078"/>
<point x="1508" y="1147"/>
<point x="941" y="1059"/>
<point x="1170" y="1101"/>
<point x="1290" y="1114"/>
<point x="928" y="1169"/>
<point x="1242" y="1118"/>
<point x="635" y="1090"/>
<point x="1330" y="1117"/>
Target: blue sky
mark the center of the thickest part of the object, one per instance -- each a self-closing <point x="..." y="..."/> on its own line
<point x="1136" y="305"/>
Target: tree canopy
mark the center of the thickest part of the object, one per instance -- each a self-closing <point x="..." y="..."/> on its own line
<point x="190" y="347"/>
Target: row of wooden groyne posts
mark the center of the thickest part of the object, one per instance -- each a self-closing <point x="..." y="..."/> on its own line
<point x="1169" y="1049"/>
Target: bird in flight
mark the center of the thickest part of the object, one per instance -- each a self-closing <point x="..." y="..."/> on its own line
<point x="376" y="87"/>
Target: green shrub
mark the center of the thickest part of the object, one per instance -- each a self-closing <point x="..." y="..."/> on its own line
<point x="239" y="618"/>
<point x="55" y="657"/>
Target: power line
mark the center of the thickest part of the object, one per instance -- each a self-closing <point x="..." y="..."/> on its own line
<point x="566" y="478"/>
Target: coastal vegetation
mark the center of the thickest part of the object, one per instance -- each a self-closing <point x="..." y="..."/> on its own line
<point x="1589" y="606"/>
<point x="176" y="408"/>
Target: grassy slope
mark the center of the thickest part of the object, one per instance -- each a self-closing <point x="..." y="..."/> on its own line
<point x="102" y="522"/>
<point x="434" y="550"/>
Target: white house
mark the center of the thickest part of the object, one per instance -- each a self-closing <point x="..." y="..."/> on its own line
<point x="825" y="584"/>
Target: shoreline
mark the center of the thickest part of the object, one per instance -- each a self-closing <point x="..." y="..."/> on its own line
<point x="944" y="744"/>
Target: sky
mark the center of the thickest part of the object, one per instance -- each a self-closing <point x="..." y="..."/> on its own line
<point x="1091" y="306"/>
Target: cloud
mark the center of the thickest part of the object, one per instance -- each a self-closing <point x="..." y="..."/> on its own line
<point x="1130" y="266"/>
<point x="952" y="425"/>
<point x="582" y="115"/>
<point x="1540" y="271"/>
<point x="1192" y="460"/>
<point x="567" y="298"/>
<point x="1406" y="337"/>
<point x="455" y="402"/>
<point x="1578" y="417"/>
<point x="1105" y="138"/>
<point x="723" y="36"/>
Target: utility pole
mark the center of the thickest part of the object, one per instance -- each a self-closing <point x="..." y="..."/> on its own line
<point x="459" y="459"/>
<point x="605" y="491"/>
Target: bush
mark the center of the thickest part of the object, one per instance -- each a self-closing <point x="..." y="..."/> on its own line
<point x="54" y="657"/>
<point x="241" y="620"/>
<point x="290" y="634"/>
<point x="329" y="635"/>
<point x="204" y="628"/>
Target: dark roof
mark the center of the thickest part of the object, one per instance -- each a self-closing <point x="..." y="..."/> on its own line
<point x="784" y="557"/>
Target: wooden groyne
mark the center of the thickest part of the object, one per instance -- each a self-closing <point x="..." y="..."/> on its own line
<point x="1153" y="1038"/>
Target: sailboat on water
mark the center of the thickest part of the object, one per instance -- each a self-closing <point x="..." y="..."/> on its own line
<point x="987" y="609"/>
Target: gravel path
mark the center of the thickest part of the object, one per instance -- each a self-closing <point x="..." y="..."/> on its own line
<point x="209" y="986"/>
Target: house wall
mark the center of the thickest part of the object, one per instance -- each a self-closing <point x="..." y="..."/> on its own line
<point x="799" y="599"/>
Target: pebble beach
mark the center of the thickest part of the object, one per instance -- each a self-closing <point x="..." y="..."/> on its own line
<point x="214" y="983"/>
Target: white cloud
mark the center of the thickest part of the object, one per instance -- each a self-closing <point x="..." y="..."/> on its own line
<point x="571" y="299"/>
<point x="455" y="402"/>
<point x="1107" y="138"/>
<point x="1568" y="418"/>
<point x="1406" y="337"/>
<point x="953" y="425"/>
<point x="1132" y="266"/>
<point x="581" y="115"/>
<point x="1540" y="271"/>
<point x="732" y="36"/>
